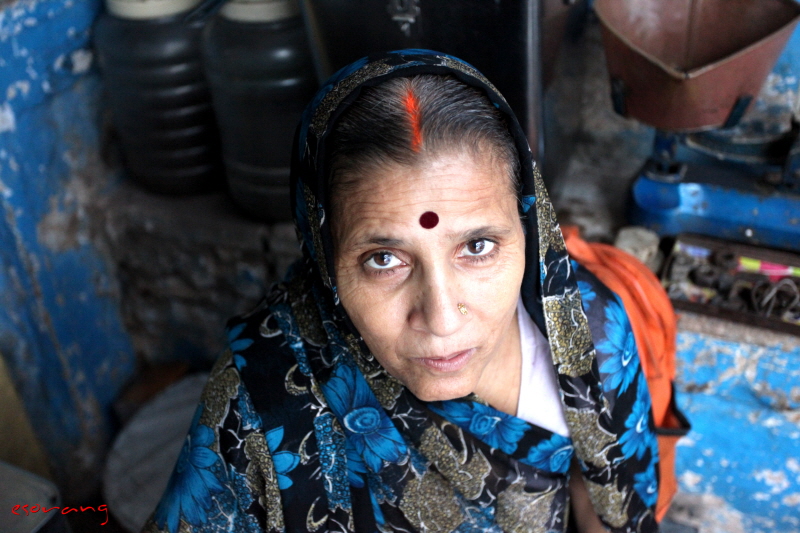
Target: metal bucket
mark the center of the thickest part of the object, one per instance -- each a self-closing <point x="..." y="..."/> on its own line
<point x="688" y="65"/>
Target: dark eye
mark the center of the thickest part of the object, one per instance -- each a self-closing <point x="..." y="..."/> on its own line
<point x="383" y="260"/>
<point x="478" y="247"/>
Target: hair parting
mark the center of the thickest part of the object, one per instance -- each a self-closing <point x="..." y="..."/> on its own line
<point x="389" y="123"/>
<point x="411" y="103"/>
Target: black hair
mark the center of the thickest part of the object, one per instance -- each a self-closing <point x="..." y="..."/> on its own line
<point x="406" y="119"/>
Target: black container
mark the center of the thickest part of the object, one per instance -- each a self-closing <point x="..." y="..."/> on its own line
<point x="159" y="99"/>
<point x="258" y="63"/>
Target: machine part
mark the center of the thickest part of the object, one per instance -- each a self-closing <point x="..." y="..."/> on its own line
<point x="664" y="172"/>
<point x="680" y="266"/>
<point x="737" y="112"/>
<point x="705" y="275"/>
<point x="791" y="167"/>
<point x="662" y="165"/>
<point x="743" y="283"/>
<point x="618" y="94"/>
<point x="775" y="298"/>
<point x="686" y="63"/>
<point x="725" y="259"/>
<point x="665" y="146"/>
<point x="745" y="197"/>
<point x="743" y="149"/>
<point x="718" y="202"/>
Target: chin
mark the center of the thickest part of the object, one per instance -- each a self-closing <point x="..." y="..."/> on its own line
<point x="439" y="393"/>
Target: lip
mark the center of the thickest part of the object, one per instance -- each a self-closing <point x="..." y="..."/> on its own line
<point x="449" y="363"/>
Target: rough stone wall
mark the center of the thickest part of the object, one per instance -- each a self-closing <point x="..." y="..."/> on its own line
<point x="186" y="265"/>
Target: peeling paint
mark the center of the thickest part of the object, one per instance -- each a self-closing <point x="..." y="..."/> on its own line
<point x="731" y="368"/>
<point x="8" y="121"/>
<point x="776" y="480"/>
<point x="68" y="361"/>
<point x="744" y="446"/>
<point x="19" y="87"/>
<point x="58" y="231"/>
<point x="707" y="514"/>
<point x="81" y="61"/>
<point x="690" y="479"/>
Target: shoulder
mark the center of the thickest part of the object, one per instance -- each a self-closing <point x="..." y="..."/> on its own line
<point x="603" y="308"/>
<point x="260" y="352"/>
<point x="612" y="333"/>
<point x="594" y="293"/>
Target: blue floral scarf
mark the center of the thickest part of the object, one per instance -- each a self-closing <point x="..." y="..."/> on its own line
<point x="300" y="429"/>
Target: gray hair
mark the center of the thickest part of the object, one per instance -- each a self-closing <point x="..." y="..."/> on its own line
<point x="406" y="120"/>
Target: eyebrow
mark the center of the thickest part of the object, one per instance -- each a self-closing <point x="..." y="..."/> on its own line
<point x="469" y="235"/>
<point x="483" y="231"/>
<point x="380" y="241"/>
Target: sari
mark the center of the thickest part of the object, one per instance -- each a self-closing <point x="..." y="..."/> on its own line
<point x="300" y="428"/>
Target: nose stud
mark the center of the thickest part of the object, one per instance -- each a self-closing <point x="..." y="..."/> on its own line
<point x="462" y="308"/>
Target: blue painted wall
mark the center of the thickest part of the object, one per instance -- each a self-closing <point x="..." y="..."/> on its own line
<point x="60" y="328"/>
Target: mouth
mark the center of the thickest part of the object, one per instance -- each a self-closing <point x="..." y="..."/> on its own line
<point x="448" y="363"/>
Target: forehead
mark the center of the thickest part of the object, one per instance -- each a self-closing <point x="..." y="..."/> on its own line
<point x="461" y="189"/>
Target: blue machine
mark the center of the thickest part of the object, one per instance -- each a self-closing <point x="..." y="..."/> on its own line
<point x="740" y="183"/>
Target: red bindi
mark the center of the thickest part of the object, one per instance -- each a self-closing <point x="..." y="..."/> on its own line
<point x="428" y="220"/>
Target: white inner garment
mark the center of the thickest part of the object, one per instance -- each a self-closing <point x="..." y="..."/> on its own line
<point x="539" y="400"/>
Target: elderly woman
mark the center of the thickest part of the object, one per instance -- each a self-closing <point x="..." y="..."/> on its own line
<point x="429" y="364"/>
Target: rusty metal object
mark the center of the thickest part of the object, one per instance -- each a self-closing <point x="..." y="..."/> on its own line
<point x="689" y="65"/>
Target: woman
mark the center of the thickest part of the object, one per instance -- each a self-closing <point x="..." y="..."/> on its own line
<point x="429" y="365"/>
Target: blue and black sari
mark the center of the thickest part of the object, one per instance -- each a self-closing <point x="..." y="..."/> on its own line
<point x="300" y="429"/>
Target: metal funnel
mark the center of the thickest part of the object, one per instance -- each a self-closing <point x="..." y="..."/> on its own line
<point x="688" y="65"/>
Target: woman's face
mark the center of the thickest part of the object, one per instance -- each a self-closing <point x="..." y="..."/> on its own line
<point x="401" y="283"/>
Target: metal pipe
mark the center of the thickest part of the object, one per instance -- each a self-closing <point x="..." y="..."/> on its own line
<point x="534" y="93"/>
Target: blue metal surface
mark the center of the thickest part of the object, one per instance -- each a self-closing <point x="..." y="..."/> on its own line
<point x="60" y="328"/>
<point x="744" y="213"/>
<point x="744" y="446"/>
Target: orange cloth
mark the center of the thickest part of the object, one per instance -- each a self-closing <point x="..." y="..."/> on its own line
<point x="654" y="327"/>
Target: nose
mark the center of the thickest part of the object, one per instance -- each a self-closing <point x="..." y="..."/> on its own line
<point x="437" y="310"/>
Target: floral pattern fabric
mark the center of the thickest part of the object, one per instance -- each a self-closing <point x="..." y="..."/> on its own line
<point x="300" y="429"/>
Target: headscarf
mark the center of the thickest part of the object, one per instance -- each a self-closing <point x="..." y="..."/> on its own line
<point x="325" y="438"/>
<point x="549" y="289"/>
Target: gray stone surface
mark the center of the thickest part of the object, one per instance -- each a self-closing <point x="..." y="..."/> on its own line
<point x="602" y="150"/>
<point x="186" y="265"/>
<point x="702" y="513"/>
